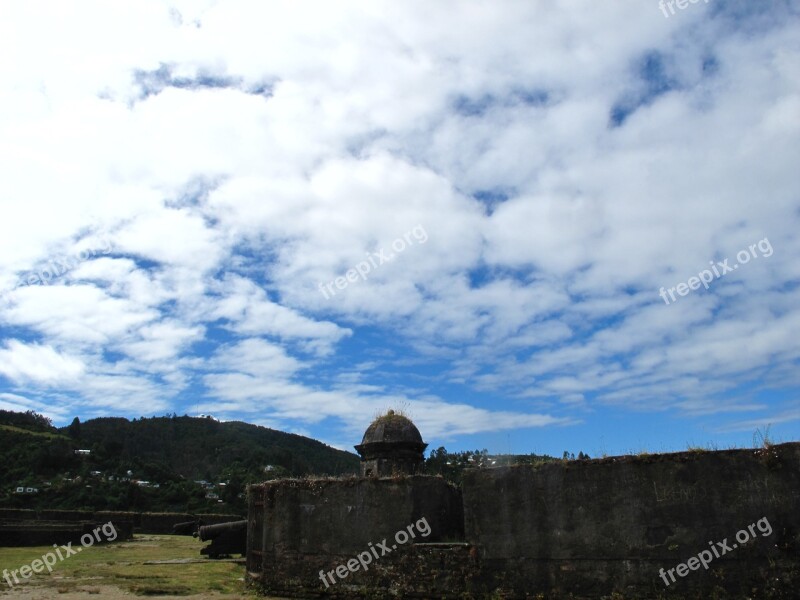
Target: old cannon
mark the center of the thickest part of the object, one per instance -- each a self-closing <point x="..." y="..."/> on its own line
<point x="226" y="539"/>
<point x="187" y="527"/>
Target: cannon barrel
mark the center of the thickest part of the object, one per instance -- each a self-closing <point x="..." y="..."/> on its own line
<point x="186" y="528"/>
<point x="211" y="532"/>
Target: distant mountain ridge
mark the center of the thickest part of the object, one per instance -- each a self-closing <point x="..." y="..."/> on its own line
<point x="151" y="463"/>
<point x="202" y="448"/>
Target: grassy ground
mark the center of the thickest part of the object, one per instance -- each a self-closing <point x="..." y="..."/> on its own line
<point x="46" y="434"/>
<point x="148" y="565"/>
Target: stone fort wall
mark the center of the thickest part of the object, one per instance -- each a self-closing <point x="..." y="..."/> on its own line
<point x="586" y="528"/>
<point x="152" y="523"/>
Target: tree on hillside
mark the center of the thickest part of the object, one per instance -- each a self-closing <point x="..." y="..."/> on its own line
<point x="74" y="429"/>
<point x="30" y="420"/>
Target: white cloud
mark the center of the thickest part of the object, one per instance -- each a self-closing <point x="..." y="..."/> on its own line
<point x="231" y="183"/>
<point x="22" y="362"/>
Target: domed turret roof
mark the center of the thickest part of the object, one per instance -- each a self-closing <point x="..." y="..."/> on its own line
<point x="392" y="428"/>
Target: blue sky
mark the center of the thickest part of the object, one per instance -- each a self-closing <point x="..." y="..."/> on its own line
<point x="495" y="216"/>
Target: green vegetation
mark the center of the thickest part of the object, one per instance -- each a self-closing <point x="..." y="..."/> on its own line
<point x="29" y="421"/>
<point x="761" y="439"/>
<point x="147" y="565"/>
<point x="44" y="434"/>
<point x="391" y="416"/>
<point x="160" y="464"/>
<point x="451" y="465"/>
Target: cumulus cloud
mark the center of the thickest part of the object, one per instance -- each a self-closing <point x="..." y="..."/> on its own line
<point x="248" y="153"/>
<point x="22" y="362"/>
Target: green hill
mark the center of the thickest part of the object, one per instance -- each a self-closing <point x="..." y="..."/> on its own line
<point x="150" y="464"/>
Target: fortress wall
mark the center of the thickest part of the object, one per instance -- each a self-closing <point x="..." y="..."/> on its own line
<point x="299" y="527"/>
<point x="343" y="516"/>
<point x="609" y="525"/>
<point x="577" y="529"/>
<point x="149" y="523"/>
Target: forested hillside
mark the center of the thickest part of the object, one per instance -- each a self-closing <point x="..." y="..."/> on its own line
<point x="163" y="463"/>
